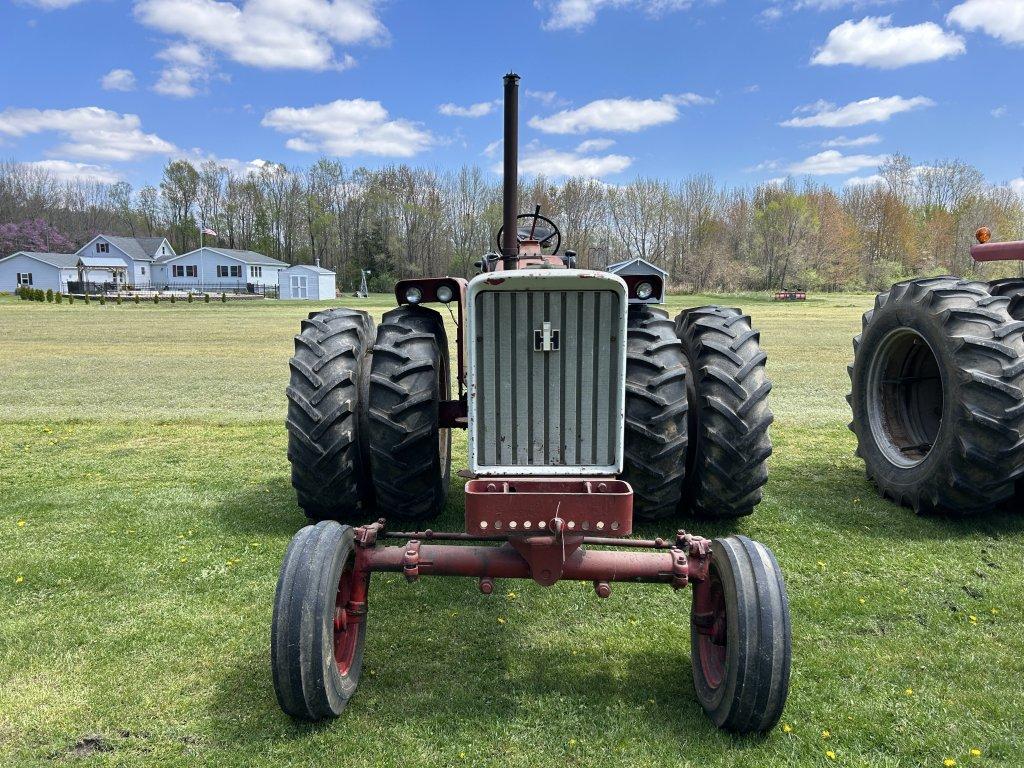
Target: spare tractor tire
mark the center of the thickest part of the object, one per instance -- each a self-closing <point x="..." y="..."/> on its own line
<point x="729" y="415"/>
<point x="938" y="395"/>
<point x="410" y="454"/>
<point x="655" y="430"/>
<point x="326" y="395"/>
<point x="1013" y="289"/>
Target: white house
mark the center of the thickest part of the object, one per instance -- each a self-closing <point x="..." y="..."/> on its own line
<point x="38" y="270"/>
<point x="215" y="268"/>
<point x="305" y="281"/>
<point x="136" y="254"/>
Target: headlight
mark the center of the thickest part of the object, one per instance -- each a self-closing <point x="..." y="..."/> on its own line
<point x="444" y="294"/>
<point x="644" y="290"/>
<point x="413" y="295"/>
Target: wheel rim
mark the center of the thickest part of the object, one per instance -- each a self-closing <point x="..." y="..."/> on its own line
<point x="346" y="629"/>
<point x="713" y="642"/>
<point x="904" y="398"/>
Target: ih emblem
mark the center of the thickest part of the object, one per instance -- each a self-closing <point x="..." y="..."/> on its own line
<point x="545" y="339"/>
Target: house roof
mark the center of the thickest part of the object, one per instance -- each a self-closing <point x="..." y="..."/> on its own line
<point x="247" y="257"/>
<point x="138" y="248"/>
<point x="101" y="262"/>
<point x="620" y="264"/>
<point x="59" y="260"/>
<point x="312" y="268"/>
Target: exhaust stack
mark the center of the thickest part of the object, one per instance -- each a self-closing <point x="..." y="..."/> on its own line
<point x="510" y="192"/>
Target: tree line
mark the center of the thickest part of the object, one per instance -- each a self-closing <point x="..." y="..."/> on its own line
<point x="400" y="221"/>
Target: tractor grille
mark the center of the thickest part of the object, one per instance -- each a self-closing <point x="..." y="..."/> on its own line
<point x="547" y="374"/>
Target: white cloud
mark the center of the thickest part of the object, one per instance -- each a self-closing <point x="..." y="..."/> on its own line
<point x="473" y="110"/>
<point x="189" y="68"/>
<point x="831" y="162"/>
<point x="999" y="111"/>
<point x="555" y="163"/>
<point x="118" y="80"/>
<point x="492" y="149"/>
<point x="858" y="141"/>
<point x="874" y="42"/>
<point x="298" y="34"/>
<point x="348" y="127"/>
<point x="617" y="114"/>
<point x="1017" y="185"/>
<point x="576" y="14"/>
<point x="549" y="98"/>
<point x="594" y="145"/>
<point x="864" y="181"/>
<point x="64" y="170"/>
<point x="1002" y="19"/>
<point x="91" y="132"/>
<point x="873" y="110"/>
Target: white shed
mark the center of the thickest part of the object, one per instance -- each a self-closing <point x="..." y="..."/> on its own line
<point x="306" y="281"/>
<point x="638" y="266"/>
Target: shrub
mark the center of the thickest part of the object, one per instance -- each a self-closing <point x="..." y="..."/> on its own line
<point x="190" y="297"/>
<point x="40" y="295"/>
<point x="59" y="297"/>
<point x="173" y="298"/>
<point x="206" y="298"/>
<point x="136" y="298"/>
<point x="224" y="298"/>
<point x="103" y="299"/>
<point x="156" y="298"/>
<point x="118" y="300"/>
<point x="85" y="297"/>
<point x="49" y="296"/>
<point x="71" y="299"/>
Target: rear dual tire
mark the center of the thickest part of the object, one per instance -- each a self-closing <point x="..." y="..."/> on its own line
<point x="937" y="395"/>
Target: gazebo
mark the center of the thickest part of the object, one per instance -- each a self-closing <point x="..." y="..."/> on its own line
<point x="89" y="265"/>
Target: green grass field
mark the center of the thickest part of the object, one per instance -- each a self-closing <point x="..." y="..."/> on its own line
<point x="145" y="506"/>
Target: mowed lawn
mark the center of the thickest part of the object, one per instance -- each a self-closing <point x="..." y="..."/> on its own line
<point x="145" y="506"/>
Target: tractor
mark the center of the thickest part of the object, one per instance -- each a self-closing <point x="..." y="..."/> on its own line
<point x="586" y="407"/>
<point x="937" y="389"/>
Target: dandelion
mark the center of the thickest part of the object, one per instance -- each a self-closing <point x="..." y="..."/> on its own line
<point x="909" y="691"/>
<point x="974" y="619"/>
<point x="975" y="753"/>
<point x="821" y="564"/>
<point x="572" y="742"/>
<point x="787" y="728"/>
<point x="501" y="621"/>
<point x="862" y="601"/>
<point x="949" y="762"/>
<point x="19" y="580"/>
<point x="184" y="559"/>
<point x="511" y="595"/>
<point x="21" y="523"/>
<point x="993" y="611"/>
<point x="830" y="754"/>
<point x="462" y="755"/>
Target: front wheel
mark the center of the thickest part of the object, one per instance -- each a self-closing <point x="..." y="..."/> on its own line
<point x="740" y="640"/>
<point x="319" y="625"/>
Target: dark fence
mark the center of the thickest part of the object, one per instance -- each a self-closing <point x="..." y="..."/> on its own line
<point x="250" y="289"/>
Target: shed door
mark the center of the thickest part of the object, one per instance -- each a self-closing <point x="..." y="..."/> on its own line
<point x="299" y="287"/>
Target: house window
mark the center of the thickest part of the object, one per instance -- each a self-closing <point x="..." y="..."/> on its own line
<point x="191" y="270"/>
<point x="24" y="278"/>
<point x="102" y="247"/>
<point x="255" y="271"/>
<point x="236" y="270"/>
<point x="177" y="270"/>
<point x="222" y="270"/>
<point x="143" y="270"/>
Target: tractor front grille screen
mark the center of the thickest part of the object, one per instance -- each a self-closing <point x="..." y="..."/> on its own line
<point x="546" y="378"/>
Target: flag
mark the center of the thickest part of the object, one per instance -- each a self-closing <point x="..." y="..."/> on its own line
<point x="208" y="231"/>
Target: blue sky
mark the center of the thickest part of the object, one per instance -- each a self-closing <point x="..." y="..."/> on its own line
<point x="747" y="91"/>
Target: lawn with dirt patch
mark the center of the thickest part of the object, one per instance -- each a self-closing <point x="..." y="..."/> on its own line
<point x="145" y="506"/>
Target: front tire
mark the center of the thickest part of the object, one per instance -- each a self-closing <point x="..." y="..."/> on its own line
<point x="740" y="637"/>
<point x="729" y="414"/>
<point x="937" y="394"/>
<point x="410" y="453"/>
<point x="319" y="625"/>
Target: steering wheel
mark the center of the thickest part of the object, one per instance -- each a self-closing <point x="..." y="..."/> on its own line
<point x="535" y="227"/>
